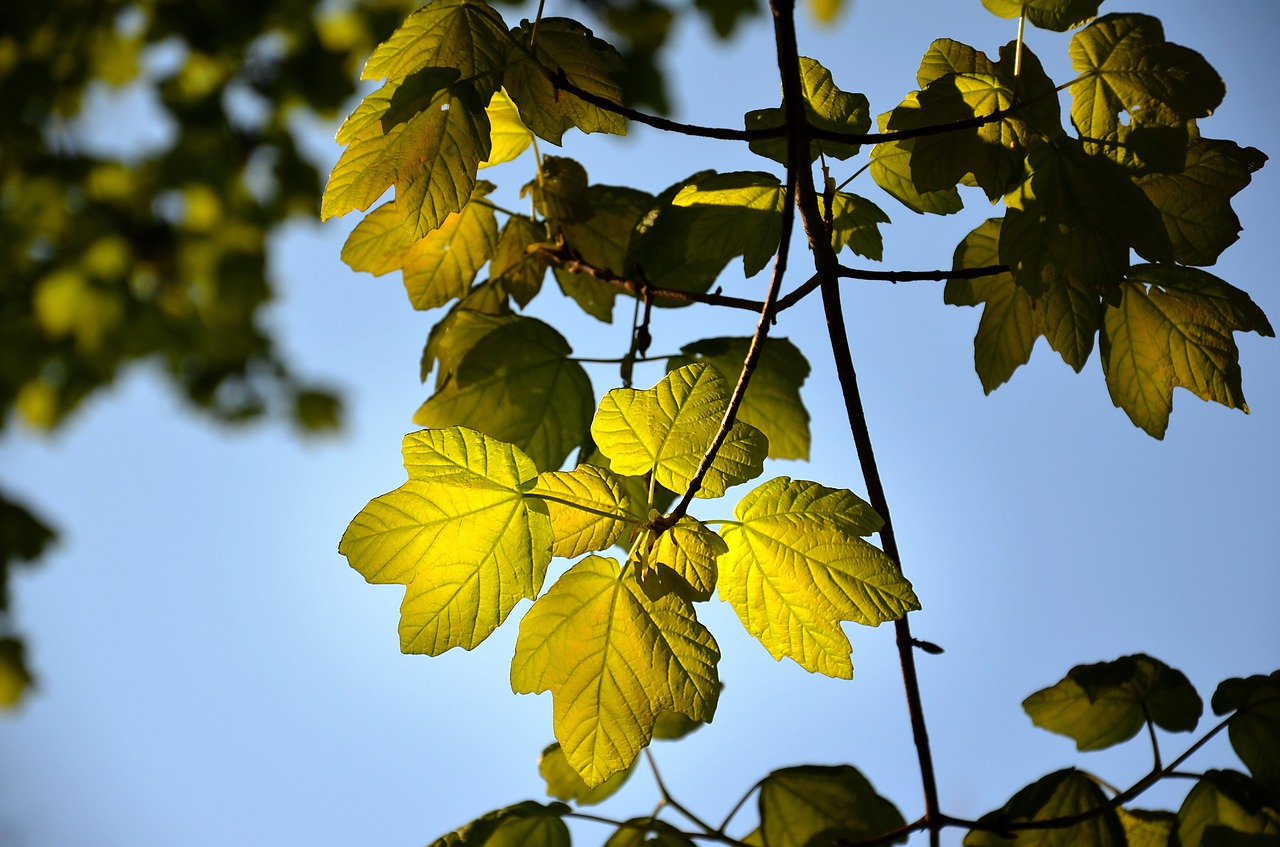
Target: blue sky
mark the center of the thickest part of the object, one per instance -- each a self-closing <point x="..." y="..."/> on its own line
<point x="212" y="672"/>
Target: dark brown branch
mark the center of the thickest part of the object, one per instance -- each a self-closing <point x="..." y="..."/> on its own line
<point x="921" y="276"/>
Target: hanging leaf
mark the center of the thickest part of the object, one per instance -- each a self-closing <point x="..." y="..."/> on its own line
<point x="1057" y="15"/>
<point x="563" y="782"/>
<point x="1143" y="828"/>
<point x="854" y="222"/>
<point x="648" y="832"/>
<point x="560" y="191"/>
<point x="1255" y="729"/>
<point x="734" y="214"/>
<point x="891" y="170"/>
<point x="827" y="108"/>
<point x="517" y="268"/>
<point x="603" y="241"/>
<point x="814" y="806"/>
<point x="1058" y="795"/>
<point x="687" y="552"/>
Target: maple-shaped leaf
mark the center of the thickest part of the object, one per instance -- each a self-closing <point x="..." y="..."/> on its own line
<point x="772" y="403"/>
<point x="1057" y="15"/>
<point x="516" y="267"/>
<point x="1195" y="202"/>
<point x="1066" y="314"/>
<point x="826" y="106"/>
<point x="461" y="535"/>
<point x="796" y="568"/>
<point x="425" y="134"/>
<point x="798" y="804"/>
<point x="567" y="47"/>
<point x="563" y="782"/>
<point x="527" y="823"/>
<point x="603" y="241"/>
<point x="1126" y="66"/>
<point x="1076" y="217"/>
<point x="465" y="35"/>
<point x="1255" y="728"/>
<point x="854" y="224"/>
<point x="454" y="336"/>
<point x="1227" y="809"/>
<point x="508" y="136"/>
<point x="1173" y="327"/>
<point x="589" y="507"/>
<point x="683" y="559"/>
<point x="665" y="430"/>
<point x="612" y="660"/>
<point x="891" y="170"/>
<point x="736" y="214"/>
<point x="518" y="384"/>
<point x="1060" y="794"/>
<point x="1101" y="705"/>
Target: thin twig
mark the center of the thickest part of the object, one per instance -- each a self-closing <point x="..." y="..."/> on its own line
<point x="671" y="801"/>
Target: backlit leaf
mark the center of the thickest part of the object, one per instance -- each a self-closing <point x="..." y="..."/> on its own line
<point x="667" y="429"/>
<point x="891" y="170"/>
<point x="689" y="550"/>
<point x="603" y="241"/>
<point x="796" y="568"/>
<point x="515" y="267"/>
<point x="508" y="136"/>
<point x="664" y="248"/>
<point x="1255" y="730"/>
<point x="826" y="106"/>
<point x="799" y="803"/>
<point x="648" y="832"/>
<point x="518" y="384"/>
<point x="1173" y="327"/>
<point x="466" y="35"/>
<point x="612" y="659"/>
<point x="15" y="676"/>
<point x="1060" y="794"/>
<point x="563" y="782"/>
<point x="854" y="222"/>
<point x="1057" y="15"/>
<point x="1143" y="828"/>
<point x="1224" y="809"/>
<point x="560" y="190"/>
<point x="1103" y="704"/>
<point x="577" y="530"/>
<point x="736" y="214"/>
<point x="524" y="823"/>
<point x="772" y="403"/>
<point x="460" y="534"/>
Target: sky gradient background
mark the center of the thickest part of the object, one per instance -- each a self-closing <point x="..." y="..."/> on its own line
<point x="212" y="672"/>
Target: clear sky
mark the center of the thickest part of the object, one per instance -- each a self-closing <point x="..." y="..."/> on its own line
<point x="213" y="673"/>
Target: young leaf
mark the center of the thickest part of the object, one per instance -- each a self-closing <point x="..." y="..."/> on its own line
<point x="854" y="222"/>
<point x="1104" y="704"/>
<point x="1224" y="809"/>
<point x="1255" y="730"/>
<point x="568" y="495"/>
<point x="1173" y="327"/>
<point x="737" y="214"/>
<point x="1060" y="794"/>
<point x="772" y="402"/>
<point x="799" y="803"/>
<point x="461" y="536"/>
<point x="508" y="136"/>
<point x="612" y="659"/>
<point x="563" y="782"/>
<point x="689" y="551"/>
<point x="666" y="429"/>
<point x="466" y="35"/>
<point x="826" y="106"/>
<point x="1057" y="15"/>
<point x="517" y="384"/>
<point x="1065" y="314"/>
<point x="796" y="568"/>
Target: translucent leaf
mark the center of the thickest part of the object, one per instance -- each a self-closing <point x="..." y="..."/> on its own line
<point x="689" y="551"/>
<point x="772" y="403"/>
<point x="508" y="136"/>
<point x="1144" y="828"/>
<point x="1195" y="203"/>
<point x="667" y="429"/>
<point x="460" y="534"/>
<point x="826" y="106"/>
<point x="455" y="335"/>
<point x="465" y="35"/>
<point x="1125" y="65"/>
<point x="577" y="530"/>
<point x="736" y="214"/>
<point x="563" y="782"/>
<point x="524" y="823"/>
<point x="854" y="222"/>
<point x="1057" y="15"/>
<point x="1173" y="327"/>
<point x="378" y="242"/>
<point x="1067" y="315"/>
<point x="648" y="832"/>
<point x="796" y="568"/>
<point x="515" y="267"/>
<point x="612" y="659"/>
<point x="586" y="61"/>
<point x="518" y="384"/>
<point x="1255" y="730"/>
<point x="603" y="241"/>
<point x="891" y="170"/>
<point x="799" y="803"/>
<point x="1224" y="809"/>
<point x="1103" y="704"/>
<point x="1058" y="795"/>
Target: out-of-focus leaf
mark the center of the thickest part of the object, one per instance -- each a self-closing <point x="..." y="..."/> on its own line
<point x="821" y="806"/>
<point x="1058" y="795"/>
<point x="1255" y="729"/>
<point x="563" y="782"/>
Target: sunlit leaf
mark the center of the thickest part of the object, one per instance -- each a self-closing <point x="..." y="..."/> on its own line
<point x="1255" y="729"/>
<point x="1174" y="327"/>
<point x="1058" y="15"/>
<point x="827" y="108"/>
<point x="798" y="804"/>
<point x="667" y="429"/>
<point x="515" y="267"/>
<point x="664" y="249"/>
<point x="735" y="214"/>
<point x="563" y="782"/>
<point x="796" y="568"/>
<point x="460" y="534"/>
<point x="508" y="136"/>
<point x="612" y="659"/>
<point x="854" y="224"/>
<point x="526" y="823"/>
<point x="688" y="551"/>
<point x="1227" y="809"/>
<point x="603" y="241"/>
<point x="891" y="170"/>
<point x="1058" y="795"/>
<point x="466" y="35"/>
<point x="568" y="496"/>
<point x="1143" y="828"/>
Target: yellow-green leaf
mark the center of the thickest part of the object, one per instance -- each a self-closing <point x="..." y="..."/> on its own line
<point x="796" y="568"/>
<point x="667" y="429"/>
<point x="736" y="214"/>
<point x="1143" y="828"/>
<point x="800" y="803"/>
<point x="563" y="782"/>
<point x="15" y="676"/>
<point x="826" y="106"/>
<point x="1058" y="795"/>
<point x="1057" y="15"/>
<point x="689" y="550"/>
<point x="526" y="823"/>
<point x="612" y="659"/>
<point x="515" y="267"/>
<point x="1223" y="808"/>
<point x="891" y="170"/>
<point x="580" y="503"/>
<point x="508" y="136"/>
<point x="648" y="832"/>
<point x="854" y="222"/>
<point x="465" y="35"/>
<point x="461" y="536"/>
<point x="603" y="241"/>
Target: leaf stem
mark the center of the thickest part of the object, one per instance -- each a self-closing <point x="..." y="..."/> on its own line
<point x="671" y="801"/>
<point x="626" y="517"/>
<point x="742" y="801"/>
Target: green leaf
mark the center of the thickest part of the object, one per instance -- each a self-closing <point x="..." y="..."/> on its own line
<point x="648" y="832"/>
<point x="612" y="659"/>
<point x="826" y="106"/>
<point x="422" y="134"/>
<point x="1195" y="203"/>
<point x="1255" y="729"/>
<point x="1058" y="795"/>
<point x="569" y="494"/>
<point x="591" y="64"/>
<point x="560" y="190"/>
<point x="603" y="242"/>
<point x="441" y="266"/>
<point x="1104" y="704"/>
<point x="665" y="430"/>
<point x="1057" y="15"/>
<point x="524" y="823"/>
<point x="796" y="568"/>
<point x="563" y="782"/>
<point x="461" y="536"/>
<point x="687" y="551"/>
<point x="734" y="214"/>
<point x="1143" y="828"/>
<point x="772" y="403"/>
<point x="1125" y="65"/>
<point x="465" y="35"/>
<point x="15" y="677"/>
<point x="1224" y="809"/>
<point x="508" y="136"/>
<point x="891" y="170"/>
<point x="1173" y="327"/>
<point x="515" y="267"/>
<point x="1065" y="314"/>
<point x="854" y="222"/>
<point x="1075" y="217"/>
<point x="518" y="384"/>
<point x="454" y="336"/>
<point x="817" y="806"/>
